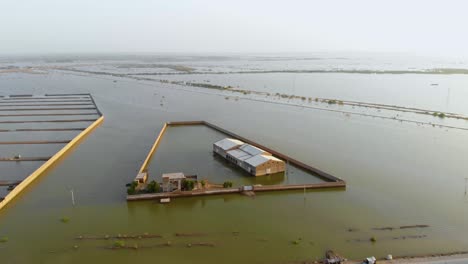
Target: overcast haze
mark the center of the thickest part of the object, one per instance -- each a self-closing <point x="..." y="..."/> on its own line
<point x="59" y="26"/>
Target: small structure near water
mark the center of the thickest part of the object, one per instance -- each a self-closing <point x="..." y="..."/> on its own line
<point x="174" y="181"/>
<point x="254" y="160"/>
<point x="141" y="177"/>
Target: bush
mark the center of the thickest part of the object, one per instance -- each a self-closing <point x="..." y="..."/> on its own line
<point x="188" y="185"/>
<point x="227" y="184"/>
<point x="131" y="191"/>
<point x="203" y="183"/>
<point x="153" y="187"/>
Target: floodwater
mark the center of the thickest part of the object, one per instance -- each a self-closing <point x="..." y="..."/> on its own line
<point x="397" y="174"/>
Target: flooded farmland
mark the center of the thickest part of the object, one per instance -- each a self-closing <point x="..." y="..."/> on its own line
<point x="401" y="168"/>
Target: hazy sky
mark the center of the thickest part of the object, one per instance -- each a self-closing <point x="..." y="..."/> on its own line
<point x="61" y="26"/>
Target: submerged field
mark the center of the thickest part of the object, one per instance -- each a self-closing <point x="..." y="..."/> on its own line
<point x="398" y="173"/>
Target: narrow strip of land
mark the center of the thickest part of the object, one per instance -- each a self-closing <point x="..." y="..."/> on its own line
<point x="75" y="114"/>
<point x="35" y="98"/>
<point x="9" y="105"/>
<point x="34" y="142"/>
<point x="42" y="129"/>
<point x="49" y="109"/>
<point x="25" y="159"/>
<point x="51" y="100"/>
<point x="47" y="121"/>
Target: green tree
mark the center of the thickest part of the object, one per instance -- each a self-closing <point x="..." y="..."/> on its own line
<point x="153" y="187"/>
<point x="188" y="185"/>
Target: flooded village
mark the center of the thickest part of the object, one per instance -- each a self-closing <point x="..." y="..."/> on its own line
<point x="257" y="132"/>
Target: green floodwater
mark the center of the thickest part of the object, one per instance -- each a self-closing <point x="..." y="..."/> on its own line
<point x="397" y="174"/>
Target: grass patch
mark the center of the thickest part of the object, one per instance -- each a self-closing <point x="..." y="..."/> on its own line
<point x="118" y="244"/>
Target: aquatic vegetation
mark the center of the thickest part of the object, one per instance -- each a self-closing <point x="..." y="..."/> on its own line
<point x="373" y="239"/>
<point x="64" y="219"/>
<point x="118" y="244"/>
<point x="3" y="239"/>
<point x="295" y="242"/>
<point x="441" y="115"/>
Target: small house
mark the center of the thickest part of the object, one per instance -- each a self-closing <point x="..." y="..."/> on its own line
<point x="141" y="177"/>
<point x="172" y="181"/>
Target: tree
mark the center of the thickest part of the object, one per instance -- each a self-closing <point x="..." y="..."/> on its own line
<point x="188" y="185"/>
<point x="131" y="189"/>
<point x="153" y="187"/>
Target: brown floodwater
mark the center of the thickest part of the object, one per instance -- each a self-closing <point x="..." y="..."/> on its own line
<point x="397" y="174"/>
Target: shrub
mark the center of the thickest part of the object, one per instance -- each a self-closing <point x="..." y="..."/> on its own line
<point x="227" y="184"/>
<point x="131" y="190"/>
<point x="188" y="185"/>
<point x="203" y="183"/>
<point x="153" y="187"/>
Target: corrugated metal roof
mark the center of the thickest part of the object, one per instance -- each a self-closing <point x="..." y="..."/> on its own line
<point x="260" y="159"/>
<point x="175" y="175"/>
<point x="239" y="154"/>
<point x="228" y="143"/>
<point x="252" y="150"/>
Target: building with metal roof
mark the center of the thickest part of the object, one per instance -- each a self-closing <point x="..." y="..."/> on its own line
<point x="252" y="150"/>
<point x="254" y="160"/>
<point x="223" y="146"/>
